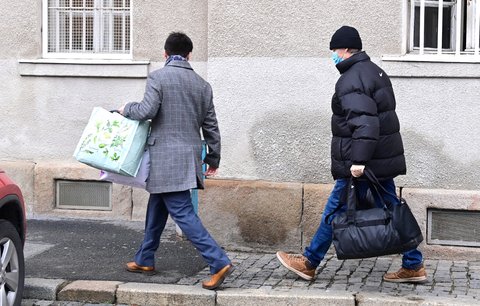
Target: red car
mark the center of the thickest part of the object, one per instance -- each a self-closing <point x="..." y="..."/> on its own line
<point x="12" y="240"/>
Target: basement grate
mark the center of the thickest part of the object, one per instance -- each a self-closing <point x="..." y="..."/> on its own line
<point x="87" y="195"/>
<point x="453" y="227"/>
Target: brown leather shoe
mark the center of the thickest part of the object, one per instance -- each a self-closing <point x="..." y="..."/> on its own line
<point x="407" y="276"/>
<point x="298" y="264"/>
<point x="218" y="278"/>
<point x="133" y="267"/>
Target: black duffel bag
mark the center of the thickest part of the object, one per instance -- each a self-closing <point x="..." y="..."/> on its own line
<point x="377" y="231"/>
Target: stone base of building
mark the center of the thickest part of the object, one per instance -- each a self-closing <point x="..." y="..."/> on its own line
<point x="240" y="214"/>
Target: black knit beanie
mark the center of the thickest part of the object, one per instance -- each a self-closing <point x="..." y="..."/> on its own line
<point x="346" y="37"/>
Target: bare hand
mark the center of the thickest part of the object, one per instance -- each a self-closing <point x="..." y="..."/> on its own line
<point x="357" y="170"/>
<point x="211" y="171"/>
<point x="121" y="109"/>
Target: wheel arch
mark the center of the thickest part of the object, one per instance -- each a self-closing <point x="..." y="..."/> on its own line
<point x="12" y="211"/>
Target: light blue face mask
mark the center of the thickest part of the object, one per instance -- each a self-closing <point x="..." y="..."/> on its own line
<point x="336" y="59"/>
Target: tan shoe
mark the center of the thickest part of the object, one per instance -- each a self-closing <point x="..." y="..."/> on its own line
<point x="407" y="276"/>
<point x="297" y="263"/>
<point x="218" y="278"/>
<point x="133" y="267"/>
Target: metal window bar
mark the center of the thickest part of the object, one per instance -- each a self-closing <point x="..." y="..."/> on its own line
<point x="422" y="26"/>
<point x="123" y="26"/>
<point x="98" y="26"/>
<point x="412" y="24"/>
<point x="110" y="27"/>
<point x="84" y="27"/>
<point x="458" y="28"/>
<point x="70" y="21"/>
<point x="477" y="27"/>
<point x="440" y="27"/>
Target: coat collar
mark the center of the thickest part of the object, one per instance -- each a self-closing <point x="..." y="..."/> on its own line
<point x="349" y="62"/>
<point x="180" y="64"/>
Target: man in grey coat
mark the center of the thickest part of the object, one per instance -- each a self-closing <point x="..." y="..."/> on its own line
<point x="180" y="104"/>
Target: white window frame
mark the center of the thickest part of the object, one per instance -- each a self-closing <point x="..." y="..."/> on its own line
<point x="98" y="38"/>
<point x="455" y="53"/>
<point x="473" y="27"/>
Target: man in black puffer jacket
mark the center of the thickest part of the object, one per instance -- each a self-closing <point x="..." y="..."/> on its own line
<point x="365" y="127"/>
<point x="365" y="133"/>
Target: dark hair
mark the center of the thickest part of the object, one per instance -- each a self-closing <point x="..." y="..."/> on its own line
<point x="178" y="43"/>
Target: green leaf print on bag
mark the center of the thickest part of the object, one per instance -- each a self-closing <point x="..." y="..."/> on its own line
<point x="108" y="134"/>
<point x="118" y="141"/>
<point x="115" y="156"/>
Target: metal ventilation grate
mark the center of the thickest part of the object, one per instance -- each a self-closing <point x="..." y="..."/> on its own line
<point x="83" y="195"/>
<point x="454" y="227"/>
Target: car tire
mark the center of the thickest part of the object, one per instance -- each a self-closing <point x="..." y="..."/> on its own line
<point x="12" y="265"/>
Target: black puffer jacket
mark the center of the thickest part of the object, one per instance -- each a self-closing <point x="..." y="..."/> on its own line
<point x="365" y="127"/>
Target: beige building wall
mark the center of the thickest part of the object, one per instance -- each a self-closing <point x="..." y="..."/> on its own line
<point x="279" y="29"/>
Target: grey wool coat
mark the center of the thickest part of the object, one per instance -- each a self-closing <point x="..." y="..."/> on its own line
<point x="180" y="104"/>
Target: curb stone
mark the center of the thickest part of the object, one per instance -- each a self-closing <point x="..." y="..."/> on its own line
<point x="43" y="289"/>
<point x="89" y="291"/>
<point x="297" y="297"/>
<point x="373" y="299"/>
<point x="158" y="294"/>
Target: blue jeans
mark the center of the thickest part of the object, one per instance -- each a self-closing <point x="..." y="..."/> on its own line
<point x="179" y="206"/>
<point x="322" y="239"/>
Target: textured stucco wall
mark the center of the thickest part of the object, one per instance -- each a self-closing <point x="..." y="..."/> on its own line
<point x="21" y="29"/>
<point x="439" y="121"/>
<point x="153" y="20"/>
<point x="274" y="116"/>
<point x="299" y="28"/>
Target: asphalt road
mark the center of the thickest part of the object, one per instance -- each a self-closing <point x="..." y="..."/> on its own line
<point x="99" y="250"/>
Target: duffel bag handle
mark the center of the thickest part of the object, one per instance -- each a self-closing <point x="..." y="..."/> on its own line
<point x="352" y="199"/>
<point x="374" y="180"/>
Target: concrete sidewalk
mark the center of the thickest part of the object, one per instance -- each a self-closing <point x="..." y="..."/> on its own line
<point x="259" y="279"/>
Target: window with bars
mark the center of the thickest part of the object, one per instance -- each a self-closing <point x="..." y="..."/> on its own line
<point x="444" y="27"/>
<point x="87" y="29"/>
